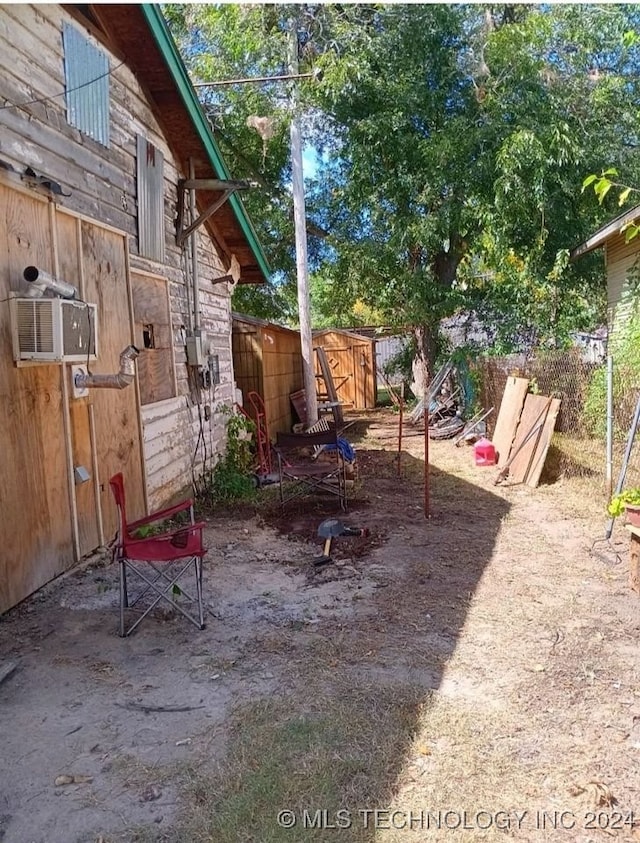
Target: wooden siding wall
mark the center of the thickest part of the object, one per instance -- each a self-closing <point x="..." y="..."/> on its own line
<point x="102" y="184"/>
<point x="247" y="359"/>
<point x="268" y="360"/>
<point x="353" y="365"/>
<point x="95" y="229"/>
<point x="48" y="521"/>
<point x="621" y="260"/>
<point x="281" y="375"/>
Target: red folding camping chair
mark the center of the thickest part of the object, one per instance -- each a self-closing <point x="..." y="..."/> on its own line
<point x="159" y="560"/>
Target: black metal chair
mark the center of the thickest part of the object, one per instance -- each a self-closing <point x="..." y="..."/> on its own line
<point x="311" y="463"/>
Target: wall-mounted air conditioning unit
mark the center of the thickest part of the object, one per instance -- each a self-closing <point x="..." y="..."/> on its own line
<point x="53" y="330"/>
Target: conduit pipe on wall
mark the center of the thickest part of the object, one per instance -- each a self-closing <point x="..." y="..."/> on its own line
<point x="118" y="381"/>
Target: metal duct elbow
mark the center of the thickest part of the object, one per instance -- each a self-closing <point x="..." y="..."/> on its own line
<point x="118" y="381"/>
<point x="40" y="282"/>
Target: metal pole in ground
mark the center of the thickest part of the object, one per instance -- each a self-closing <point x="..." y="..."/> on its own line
<point x="297" y="183"/>
<point x="609" y="470"/>
<point x="427" y="512"/>
<point x="401" y="413"/>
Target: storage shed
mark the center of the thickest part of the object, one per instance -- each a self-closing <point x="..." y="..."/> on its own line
<point x="352" y="360"/>
<point x="267" y="359"/>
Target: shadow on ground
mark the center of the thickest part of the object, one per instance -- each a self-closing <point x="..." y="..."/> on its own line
<point x="303" y="694"/>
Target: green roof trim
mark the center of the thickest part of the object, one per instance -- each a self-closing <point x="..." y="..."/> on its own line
<point x="167" y="45"/>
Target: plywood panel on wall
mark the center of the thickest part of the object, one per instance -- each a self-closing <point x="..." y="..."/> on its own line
<point x="69" y="268"/>
<point x="155" y="364"/>
<point x="35" y="524"/>
<point x="118" y="442"/>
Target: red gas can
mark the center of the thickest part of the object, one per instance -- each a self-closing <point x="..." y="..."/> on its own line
<point x="484" y="452"/>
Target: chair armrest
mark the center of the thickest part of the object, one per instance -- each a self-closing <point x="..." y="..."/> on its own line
<point x="169" y="538"/>
<point x="161" y="514"/>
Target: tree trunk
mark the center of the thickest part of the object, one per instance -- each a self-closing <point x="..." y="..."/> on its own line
<point x="425" y="359"/>
<point x="444" y="266"/>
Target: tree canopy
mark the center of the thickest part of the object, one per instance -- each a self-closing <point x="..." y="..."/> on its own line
<point x="451" y="144"/>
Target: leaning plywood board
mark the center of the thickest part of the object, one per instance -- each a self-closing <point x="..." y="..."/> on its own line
<point x="528" y="436"/>
<point x="540" y="454"/>
<point x="513" y="399"/>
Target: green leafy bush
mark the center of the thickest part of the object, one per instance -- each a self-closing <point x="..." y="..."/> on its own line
<point x="232" y="477"/>
<point x="624" y="345"/>
<point x="618" y="503"/>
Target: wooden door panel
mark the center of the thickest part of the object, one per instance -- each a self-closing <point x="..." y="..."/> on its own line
<point x="35" y="522"/>
<point x="117" y="428"/>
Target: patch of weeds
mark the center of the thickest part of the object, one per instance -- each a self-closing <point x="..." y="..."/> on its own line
<point x="166" y="525"/>
<point x="139" y="834"/>
<point x="232" y="478"/>
<point x="329" y="753"/>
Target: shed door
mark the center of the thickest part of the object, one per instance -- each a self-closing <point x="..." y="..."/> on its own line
<point x="351" y="367"/>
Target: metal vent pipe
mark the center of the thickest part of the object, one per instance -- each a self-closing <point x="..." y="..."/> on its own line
<point x="41" y="281"/>
<point x="118" y="381"/>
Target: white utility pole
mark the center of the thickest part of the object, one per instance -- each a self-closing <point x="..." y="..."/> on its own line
<point x="304" y="315"/>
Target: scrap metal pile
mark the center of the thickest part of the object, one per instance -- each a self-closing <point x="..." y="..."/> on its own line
<point x="448" y="398"/>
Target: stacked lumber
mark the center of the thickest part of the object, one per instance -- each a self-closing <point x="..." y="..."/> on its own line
<point x="523" y="432"/>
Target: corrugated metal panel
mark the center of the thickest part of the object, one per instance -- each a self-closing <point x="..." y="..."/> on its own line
<point x="386" y="348"/>
<point x="87" y="79"/>
<point x="150" y="170"/>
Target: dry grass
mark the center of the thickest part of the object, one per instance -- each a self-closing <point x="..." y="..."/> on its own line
<point x="318" y="752"/>
<point x="495" y="677"/>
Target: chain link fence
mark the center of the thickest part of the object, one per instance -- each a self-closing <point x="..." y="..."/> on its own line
<point x="578" y="447"/>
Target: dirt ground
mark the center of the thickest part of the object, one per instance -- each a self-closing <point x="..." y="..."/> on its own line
<point x="473" y="676"/>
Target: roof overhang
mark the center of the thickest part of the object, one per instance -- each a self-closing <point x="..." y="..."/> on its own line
<point x="610" y="229"/>
<point x="140" y="36"/>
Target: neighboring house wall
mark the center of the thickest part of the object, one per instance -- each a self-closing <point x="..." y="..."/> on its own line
<point x="90" y="238"/>
<point x="386" y="348"/>
<point x="622" y="262"/>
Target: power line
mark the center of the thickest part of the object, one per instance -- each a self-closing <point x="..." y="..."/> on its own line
<point x="315" y="74"/>
<point x="62" y="93"/>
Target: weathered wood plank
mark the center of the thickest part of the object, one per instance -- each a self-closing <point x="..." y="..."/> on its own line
<point x="116" y="413"/>
<point x="540" y="454"/>
<point x="525" y="444"/>
<point x="513" y="399"/>
<point x="34" y="499"/>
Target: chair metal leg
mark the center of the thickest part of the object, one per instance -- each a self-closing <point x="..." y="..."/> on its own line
<point x="198" y="562"/>
<point x="164" y="593"/>
<point x="124" y="598"/>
